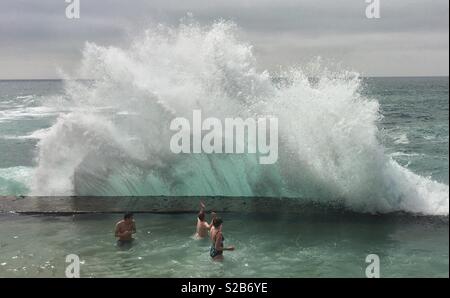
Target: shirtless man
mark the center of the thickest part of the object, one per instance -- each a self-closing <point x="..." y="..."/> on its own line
<point x="125" y="229"/>
<point x="202" y="226"/>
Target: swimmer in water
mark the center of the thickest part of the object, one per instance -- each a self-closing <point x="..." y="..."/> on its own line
<point x="125" y="229"/>
<point x="202" y="226"/>
<point x="217" y="248"/>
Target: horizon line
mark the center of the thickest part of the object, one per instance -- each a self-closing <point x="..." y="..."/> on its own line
<point x="375" y="76"/>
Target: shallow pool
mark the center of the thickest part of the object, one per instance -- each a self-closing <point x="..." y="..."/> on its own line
<point x="330" y="245"/>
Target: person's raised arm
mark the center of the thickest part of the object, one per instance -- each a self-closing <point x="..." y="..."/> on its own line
<point x="213" y="215"/>
<point x="202" y="206"/>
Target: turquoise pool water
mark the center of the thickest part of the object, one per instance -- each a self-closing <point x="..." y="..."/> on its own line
<point x="332" y="245"/>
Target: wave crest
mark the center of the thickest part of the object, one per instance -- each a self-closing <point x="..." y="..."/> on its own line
<point x="115" y="141"/>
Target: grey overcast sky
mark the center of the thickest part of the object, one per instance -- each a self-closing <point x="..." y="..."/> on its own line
<point x="410" y="39"/>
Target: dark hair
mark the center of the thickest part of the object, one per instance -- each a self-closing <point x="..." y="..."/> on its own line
<point x="201" y="216"/>
<point x="217" y="222"/>
<point x="128" y="215"/>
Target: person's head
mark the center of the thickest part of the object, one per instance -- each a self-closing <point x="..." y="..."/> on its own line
<point x="201" y="216"/>
<point x="128" y="217"/>
<point x="217" y="222"/>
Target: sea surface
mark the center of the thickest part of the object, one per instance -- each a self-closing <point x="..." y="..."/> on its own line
<point x="330" y="245"/>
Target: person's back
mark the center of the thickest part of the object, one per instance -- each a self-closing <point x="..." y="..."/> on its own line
<point x="212" y="231"/>
<point x="202" y="226"/>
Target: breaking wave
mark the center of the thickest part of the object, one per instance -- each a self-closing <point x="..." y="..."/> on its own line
<point x="115" y="140"/>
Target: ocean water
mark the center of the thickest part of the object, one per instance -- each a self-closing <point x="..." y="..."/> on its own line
<point x="378" y="147"/>
<point x="332" y="245"/>
<point x="411" y="128"/>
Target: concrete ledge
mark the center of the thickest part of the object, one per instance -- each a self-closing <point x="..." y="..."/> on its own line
<point x="74" y="205"/>
<point x="159" y="204"/>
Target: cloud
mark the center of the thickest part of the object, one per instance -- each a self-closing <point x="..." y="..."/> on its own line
<point x="411" y="38"/>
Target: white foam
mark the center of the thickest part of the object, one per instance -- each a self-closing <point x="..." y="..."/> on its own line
<point x="329" y="148"/>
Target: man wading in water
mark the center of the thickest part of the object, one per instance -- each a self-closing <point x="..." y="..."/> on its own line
<point x="202" y="226"/>
<point x="125" y="229"/>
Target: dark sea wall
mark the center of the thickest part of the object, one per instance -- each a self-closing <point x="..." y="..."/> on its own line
<point x="73" y="205"/>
